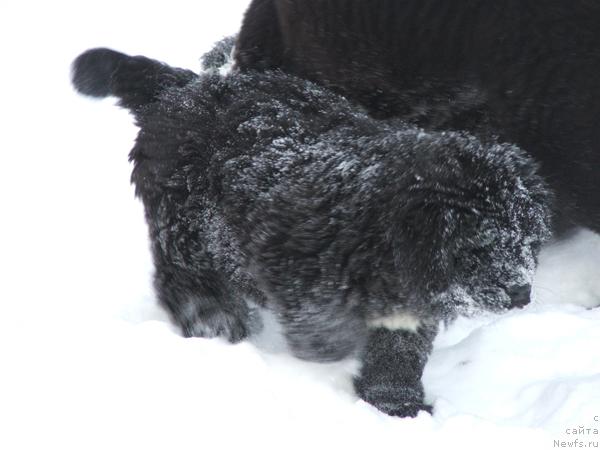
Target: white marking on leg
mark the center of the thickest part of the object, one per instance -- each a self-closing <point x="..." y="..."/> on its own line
<point x="398" y="321"/>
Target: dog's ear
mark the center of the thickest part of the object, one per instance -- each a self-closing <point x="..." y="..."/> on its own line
<point x="424" y="239"/>
<point x="134" y="80"/>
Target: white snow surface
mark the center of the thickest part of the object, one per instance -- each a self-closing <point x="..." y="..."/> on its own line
<point x="89" y="361"/>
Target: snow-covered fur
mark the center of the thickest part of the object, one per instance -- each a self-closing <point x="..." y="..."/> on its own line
<point x="523" y="70"/>
<point x="360" y="234"/>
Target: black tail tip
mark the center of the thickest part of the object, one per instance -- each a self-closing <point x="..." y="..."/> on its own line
<point x="92" y="71"/>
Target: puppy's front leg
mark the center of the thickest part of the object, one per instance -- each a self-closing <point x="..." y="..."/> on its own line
<point x="322" y="332"/>
<point x="393" y="362"/>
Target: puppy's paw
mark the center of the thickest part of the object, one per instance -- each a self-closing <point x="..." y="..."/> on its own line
<point x="408" y="409"/>
<point x="234" y="326"/>
<point x="399" y="401"/>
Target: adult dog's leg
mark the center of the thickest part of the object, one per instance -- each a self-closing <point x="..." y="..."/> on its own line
<point x="260" y="44"/>
<point x="393" y="362"/>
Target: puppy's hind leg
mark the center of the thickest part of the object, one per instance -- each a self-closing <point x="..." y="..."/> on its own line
<point x="392" y="366"/>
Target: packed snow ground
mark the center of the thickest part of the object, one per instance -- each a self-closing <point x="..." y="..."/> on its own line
<point x="90" y="362"/>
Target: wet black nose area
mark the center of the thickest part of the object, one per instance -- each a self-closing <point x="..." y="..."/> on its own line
<point x="519" y="295"/>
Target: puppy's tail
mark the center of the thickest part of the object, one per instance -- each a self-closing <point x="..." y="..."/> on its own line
<point x="134" y="80"/>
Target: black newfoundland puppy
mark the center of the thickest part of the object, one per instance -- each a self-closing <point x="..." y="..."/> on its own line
<point x="526" y="71"/>
<point x="360" y="234"/>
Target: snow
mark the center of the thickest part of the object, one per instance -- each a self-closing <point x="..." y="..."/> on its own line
<point x="88" y="359"/>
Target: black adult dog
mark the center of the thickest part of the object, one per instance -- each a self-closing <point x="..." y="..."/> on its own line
<point x="360" y="234"/>
<point x="526" y="71"/>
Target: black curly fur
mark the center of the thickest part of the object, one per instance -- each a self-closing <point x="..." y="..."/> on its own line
<point x="267" y="188"/>
<point x="220" y="55"/>
<point x="523" y="70"/>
